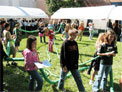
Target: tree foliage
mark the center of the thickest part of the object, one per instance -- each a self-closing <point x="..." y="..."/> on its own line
<point x="54" y="5"/>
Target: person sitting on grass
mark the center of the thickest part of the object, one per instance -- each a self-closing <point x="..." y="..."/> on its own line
<point x="31" y="56"/>
<point x="69" y="61"/>
<point x="8" y="37"/>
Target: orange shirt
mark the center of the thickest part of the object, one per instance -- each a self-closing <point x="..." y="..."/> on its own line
<point x="81" y="28"/>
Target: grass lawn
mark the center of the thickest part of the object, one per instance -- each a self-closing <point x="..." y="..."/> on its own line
<point x="17" y="79"/>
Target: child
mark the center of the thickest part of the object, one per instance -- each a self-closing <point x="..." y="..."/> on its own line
<point x="81" y="30"/>
<point x="69" y="61"/>
<point x="51" y="34"/>
<point x="91" y="30"/>
<point x="96" y="63"/>
<point x="65" y="33"/>
<point x="18" y="34"/>
<point x="31" y="56"/>
<point x="41" y="32"/>
<point x="8" y="37"/>
<point x="106" y="51"/>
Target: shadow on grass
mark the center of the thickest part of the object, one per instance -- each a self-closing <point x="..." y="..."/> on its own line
<point x="116" y="87"/>
<point x="21" y="68"/>
<point x="85" y="55"/>
<point x="55" y="53"/>
<point x="54" y="87"/>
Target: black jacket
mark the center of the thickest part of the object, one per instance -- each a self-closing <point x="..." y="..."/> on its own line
<point x="69" y="55"/>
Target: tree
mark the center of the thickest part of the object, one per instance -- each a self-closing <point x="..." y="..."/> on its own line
<point x="54" y="5"/>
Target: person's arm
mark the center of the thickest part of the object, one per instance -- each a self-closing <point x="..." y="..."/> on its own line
<point x="62" y="36"/>
<point x="10" y="37"/>
<point x="63" y="57"/>
<point x="102" y="52"/>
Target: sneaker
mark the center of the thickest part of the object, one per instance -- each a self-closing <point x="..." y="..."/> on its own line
<point x="91" y="82"/>
<point x="14" y="63"/>
<point x="62" y="90"/>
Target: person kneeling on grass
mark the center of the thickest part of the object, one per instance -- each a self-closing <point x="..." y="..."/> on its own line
<point x="69" y="61"/>
<point x="31" y="56"/>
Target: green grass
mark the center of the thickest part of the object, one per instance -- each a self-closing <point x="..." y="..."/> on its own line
<point x="17" y="79"/>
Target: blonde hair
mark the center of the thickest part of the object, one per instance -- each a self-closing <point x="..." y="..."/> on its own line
<point x="81" y="23"/>
<point x="66" y="28"/>
<point x="72" y="32"/>
<point x="110" y="32"/>
<point x="100" y="38"/>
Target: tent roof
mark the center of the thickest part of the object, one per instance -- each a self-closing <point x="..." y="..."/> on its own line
<point x="99" y="12"/>
<point x="116" y="13"/>
<point x="21" y="12"/>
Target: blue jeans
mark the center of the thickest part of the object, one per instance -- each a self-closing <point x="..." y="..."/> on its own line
<point x="91" y="33"/>
<point x="102" y="75"/>
<point x="34" y="75"/>
<point x="77" y="78"/>
<point x="43" y="38"/>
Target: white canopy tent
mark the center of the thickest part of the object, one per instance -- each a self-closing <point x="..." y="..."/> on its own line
<point x="98" y="12"/>
<point x="21" y="12"/>
<point x="116" y="13"/>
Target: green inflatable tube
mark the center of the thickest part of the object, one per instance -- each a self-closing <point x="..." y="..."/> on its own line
<point x="56" y="81"/>
<point x="88" y="61"/>
<point x="14" y="59"/>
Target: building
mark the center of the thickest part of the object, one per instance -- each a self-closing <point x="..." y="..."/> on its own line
<point x="25" y="3"/>
<point x="116" y="2"/>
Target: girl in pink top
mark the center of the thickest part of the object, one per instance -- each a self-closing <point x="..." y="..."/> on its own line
<point x="31" y="56"/>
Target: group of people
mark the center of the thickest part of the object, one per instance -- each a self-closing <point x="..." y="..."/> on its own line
<point x="105" y="48"/>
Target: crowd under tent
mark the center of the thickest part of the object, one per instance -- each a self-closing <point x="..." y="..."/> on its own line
<point x="99" y="14"/>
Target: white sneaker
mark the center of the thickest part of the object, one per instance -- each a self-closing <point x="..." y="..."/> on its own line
<point x="91" y="82"/>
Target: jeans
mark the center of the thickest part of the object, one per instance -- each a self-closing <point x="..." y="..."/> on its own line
<point x="91" y="34"/>
<point x="34" y="75"/>
<point x="102" y="75"/>
<point x="77" y="78"/>
<point x="43" y="38"/>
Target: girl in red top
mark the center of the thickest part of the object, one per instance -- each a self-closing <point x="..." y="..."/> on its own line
<point x="51" y="34"/>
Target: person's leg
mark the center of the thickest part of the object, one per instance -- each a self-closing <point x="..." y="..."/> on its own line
<point x="40" y="39"/>
<point x="44" y="38"/>
<point x="77" y="78"/>
<point x="52" y="46"/>
<point x="81" y="35"/>
<point x="97" y="82"/>
<point x="61" y="80"/>
<point x="39" y="80"/>
<point x="14" y="55"/>
<point x="104" y="79"/>
<point x="32" y="80"/>
<point x="49" y="45"/>
<point x="90" y="35"/>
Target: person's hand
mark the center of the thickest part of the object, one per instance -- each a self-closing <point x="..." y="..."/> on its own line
<point x="13" y="36"/>
<point x="64" y="69"/>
